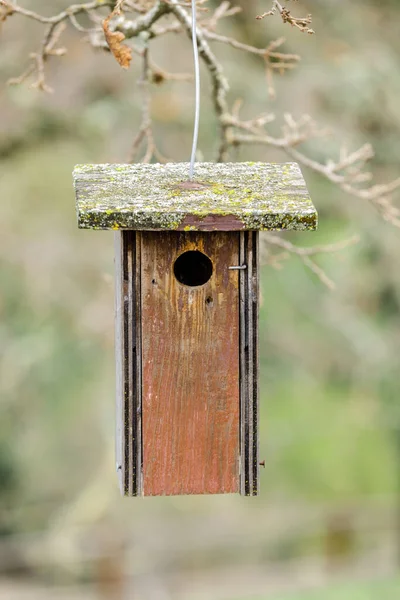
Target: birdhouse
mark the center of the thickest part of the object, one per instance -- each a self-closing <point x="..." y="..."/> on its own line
<point x="186" y="317"/>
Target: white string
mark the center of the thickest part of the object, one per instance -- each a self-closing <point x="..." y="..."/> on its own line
<point x="197" y="79"/>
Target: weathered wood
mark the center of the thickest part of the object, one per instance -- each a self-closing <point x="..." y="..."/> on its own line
<point x="228" y="197"/>
<point x="249" y="394"/>
<point x="128" y="362"/>
<point x="119" y="361"/>
<point x="255" y="299"/>
<point x="191" y="424"/>
<point x="190" y="367"/>
<point x="138" y="367"/>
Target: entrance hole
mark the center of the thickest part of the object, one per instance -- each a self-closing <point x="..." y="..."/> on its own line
<point x="193" y="268"/>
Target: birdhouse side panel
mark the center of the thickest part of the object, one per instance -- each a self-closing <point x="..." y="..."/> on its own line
<point x="128" y="362"/>
<point x="119" y="361"/>
<point x="190" y="363"/>
<point x="249" y="367"/>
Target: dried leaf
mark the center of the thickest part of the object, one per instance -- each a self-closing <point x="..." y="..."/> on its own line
<point x="4" y="13"/>
<point x="114" y="39"/>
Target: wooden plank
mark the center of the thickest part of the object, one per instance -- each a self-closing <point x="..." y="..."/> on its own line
<point x="255" y="299"/>
<point x="249" y="394"/>
<point x="250" y="363"/>
<point x="129" y="316"/>
<point x="224" y="196"/>
<point x="190" y="349"/>
<point x="244" y="405"/>
<point x="128" y="362"/>
<point x="254" y="391"/>
<point x="119" y="361"/>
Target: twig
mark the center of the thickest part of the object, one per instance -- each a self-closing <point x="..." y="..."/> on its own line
<point x="301" y="23"/>
<point x="74" y="9"/>
<point x="305" y="254"/>
<point x="145" y="131"/>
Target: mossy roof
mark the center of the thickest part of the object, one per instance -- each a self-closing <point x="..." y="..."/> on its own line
<point x="222" y="196"/>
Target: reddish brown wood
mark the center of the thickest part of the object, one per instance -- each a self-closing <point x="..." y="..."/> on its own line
<point x="190" y="367"/>
<point x="212" y="222"/>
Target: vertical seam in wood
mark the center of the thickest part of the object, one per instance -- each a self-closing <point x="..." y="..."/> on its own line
<point x="243" y="372"/>
<point x="119" y="360"/>
<point x="249" y="467"/>
<point x="138" y="365"/>
<point x="242" y="442"/>
<point x="250" y="364"/>
<point x="255" y="325"/>
<point x="128" y="336"/>
<point x="132" y="364"/>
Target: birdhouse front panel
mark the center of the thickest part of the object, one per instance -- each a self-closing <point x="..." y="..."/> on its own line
<point x="190" y="362"/>
<point x="187" y="281"/>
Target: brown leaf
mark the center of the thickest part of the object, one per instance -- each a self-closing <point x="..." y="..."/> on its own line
<point x="4" y="13"/>
<point x="114" y="39"/>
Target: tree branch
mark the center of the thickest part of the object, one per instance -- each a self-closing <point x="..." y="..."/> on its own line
<point x="305" y="254"/>
<point x="348" y="172"/>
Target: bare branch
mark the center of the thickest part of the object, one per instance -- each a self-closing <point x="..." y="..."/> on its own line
<point x="55" y="26"/>
<point x="144" y="23"/>
<point x="219" y="83"/>
<point x="145" y="131"/>
<point x="74" y="9"/>
<point x="305" y="254"/>
<point x="301" y="23"/>
<point x="348" y="172"/>
<point x="151" y="19"/>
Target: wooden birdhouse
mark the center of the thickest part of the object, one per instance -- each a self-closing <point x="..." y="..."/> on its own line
<point x="187" y="296"/>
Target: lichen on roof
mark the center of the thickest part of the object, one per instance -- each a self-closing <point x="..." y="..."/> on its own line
<point x="229" y="196"/>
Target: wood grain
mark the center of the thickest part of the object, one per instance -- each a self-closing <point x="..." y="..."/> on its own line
<point x="190" y="368"/>
<point x="249" y="393"/>
<point x="128" y="362"/>
<point x="224" y="196"/>
<point x="119" y="361"/>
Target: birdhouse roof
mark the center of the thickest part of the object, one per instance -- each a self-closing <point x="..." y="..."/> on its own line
<point x="222" y="196"/>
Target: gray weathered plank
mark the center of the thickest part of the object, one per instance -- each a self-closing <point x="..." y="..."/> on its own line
<point x="128" y="362"/>
<point x="249" y="395"/>
<point x="225" y="196"/>
<point x="119" y="361"/>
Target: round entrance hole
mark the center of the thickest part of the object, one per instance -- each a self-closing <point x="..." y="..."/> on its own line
<point x="193" y="268"/>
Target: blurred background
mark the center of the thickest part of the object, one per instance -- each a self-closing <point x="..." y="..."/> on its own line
<point x="327" y="523"/>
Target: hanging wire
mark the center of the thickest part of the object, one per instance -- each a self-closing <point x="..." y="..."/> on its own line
<point x="197" y="80"/>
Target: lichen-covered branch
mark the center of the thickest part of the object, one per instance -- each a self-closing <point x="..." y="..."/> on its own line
<point x="219" y="83"/>
<point x="145" y="22"/>
<point x="301" y="23"/>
